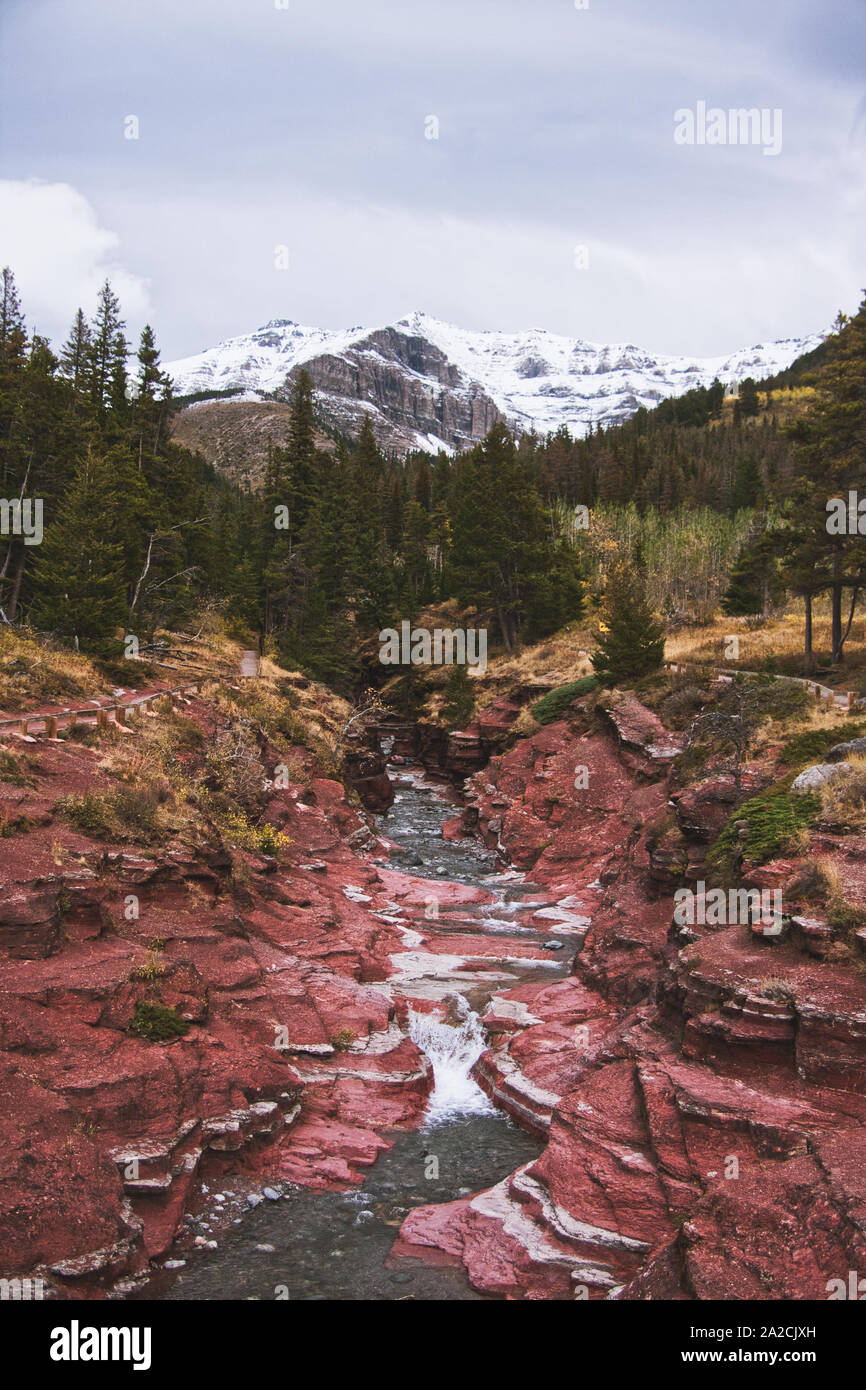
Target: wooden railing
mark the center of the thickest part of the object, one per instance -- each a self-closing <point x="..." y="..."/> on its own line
<point x="845" y="699"/>
<point x="123" y="709"/>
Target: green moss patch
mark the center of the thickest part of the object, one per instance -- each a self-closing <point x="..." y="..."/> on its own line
<point x="157" y="1023"/>
<point x="772" y="819"/>
<point x="553" y="705"/>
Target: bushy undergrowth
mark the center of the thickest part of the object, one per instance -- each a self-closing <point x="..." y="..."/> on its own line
<point x="17" y="770"/>
<point x="811" y="746"/>
<point x="770" y="821"/>
<point x="843" y="801"/>
<point x="288" y="719"/>
<point x="553" y="705"/>
<point x="265" y="837"/>
<point x="87" y="733"/>
<point x="31" y="671"/>
<point x="124" y="813"/>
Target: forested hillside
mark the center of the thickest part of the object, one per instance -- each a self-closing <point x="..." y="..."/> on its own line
<point x="713" y="498"/>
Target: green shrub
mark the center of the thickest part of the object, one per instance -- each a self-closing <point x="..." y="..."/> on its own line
<point x="773" y="818"/>
<point x="271" y="840"/>
<point x="811" y="746"/>
<point x="459" y="702"/>
<point x="553" y="705"/>
<point x="125" y="673"/>
<point x="11" y="770"/>
<point x="124" y="812"/>
<point x="82" y="731"/>
<point x="265" y="838"/>
<point x="183" y="734"/>
<point x="89" y="813"/>
<point x="157" y="1023"/>
<point x="134" y="810"/>
<point x="765" y="697"/>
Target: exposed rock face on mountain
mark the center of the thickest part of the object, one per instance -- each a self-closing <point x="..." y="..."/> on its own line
<point x="430" y="385"/>
<point x="416" y="396"/>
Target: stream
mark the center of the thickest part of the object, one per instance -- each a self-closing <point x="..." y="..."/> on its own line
<point x="335" y="1245"/>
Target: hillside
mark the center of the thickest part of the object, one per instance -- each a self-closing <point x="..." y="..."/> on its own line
<point x="235" y="436"/>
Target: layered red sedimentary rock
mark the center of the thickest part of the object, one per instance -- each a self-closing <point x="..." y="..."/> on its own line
<point x="293" y="1062"/>
<point x="702" y="1090"/>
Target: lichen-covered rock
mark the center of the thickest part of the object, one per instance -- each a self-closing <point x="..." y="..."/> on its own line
<point x="812" y="779"/>
<point x="840" y="752"/>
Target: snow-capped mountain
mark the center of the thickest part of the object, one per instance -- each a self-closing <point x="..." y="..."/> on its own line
<point x="430" y="385"/>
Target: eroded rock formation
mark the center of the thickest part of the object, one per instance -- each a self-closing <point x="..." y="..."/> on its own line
<point x="702" y="1090"/>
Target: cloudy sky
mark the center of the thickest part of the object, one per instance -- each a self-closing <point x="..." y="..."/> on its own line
<point x="306" y="124"/>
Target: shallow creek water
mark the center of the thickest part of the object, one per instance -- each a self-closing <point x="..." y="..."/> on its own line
<point x="335" y="1245"/>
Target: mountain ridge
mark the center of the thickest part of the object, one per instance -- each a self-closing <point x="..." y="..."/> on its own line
<point x="430" y="384"/>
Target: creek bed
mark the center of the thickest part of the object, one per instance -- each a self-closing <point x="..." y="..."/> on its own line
<point x="336" y="1245"/>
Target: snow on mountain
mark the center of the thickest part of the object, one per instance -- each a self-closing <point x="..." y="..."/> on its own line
<point x="543" y="380"/>
<point x="430" y="384"/>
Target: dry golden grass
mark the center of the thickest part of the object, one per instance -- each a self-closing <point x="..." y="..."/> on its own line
<point x="829" y="878"/>
<point x="779" y="639"/>
<point x="843" y="801"/>
<point x="558" y="659"/>
<point x="33" y="673"/>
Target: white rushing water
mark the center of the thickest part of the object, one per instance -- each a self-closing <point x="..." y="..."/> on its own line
<point x="453" y="1050"/>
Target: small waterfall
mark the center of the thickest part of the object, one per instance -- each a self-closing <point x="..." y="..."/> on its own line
<point x="453" y="1049"/>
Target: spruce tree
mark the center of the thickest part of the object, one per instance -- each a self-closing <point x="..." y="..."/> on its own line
<point x="630" y="641"/>
<point x="459" y="701"/>
<point x="754" y="585"/>
<point x="501" y="556"/>
<point x="13" y="334"/>
<point x="106" y="336"/>
<point x="13" y="359"/>
<point x="79" y="570"/>
<point x="300" y="454"/>
<point x="829" y="465"/>
<point x="749" y="403"/>
<point x="76" y="353"/>
<point x="747" y="485"/>
<point x="152" y="398"/>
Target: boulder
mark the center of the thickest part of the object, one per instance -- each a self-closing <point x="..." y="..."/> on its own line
<point x="812" y="779"/>
<point x="855" y="748"/>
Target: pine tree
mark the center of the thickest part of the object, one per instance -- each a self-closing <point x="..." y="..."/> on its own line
<point x="76" y="353"/>
<point x="79" y="579"/>
<point x="106" y="335"/>
<point x="300" y="455"/>
<point x="755" y="583"/>
<point x="459" y="701"/>
<point x="747" y="485"/>
<point x="152" y="397"/>
<point x="749" y="402"/>
<point x="13" y="334"/>
<point x="501" y="555"/>
<point x="630" y="641"/>
<point x="118" y="380"/>
<point x="13" y="359"/>
<point x="829" y="464"/>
